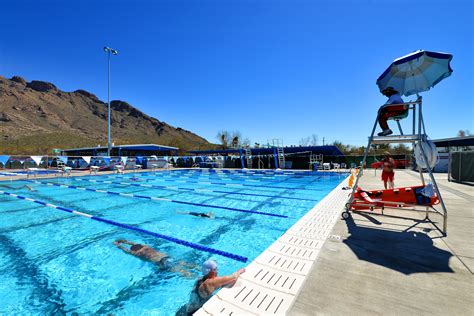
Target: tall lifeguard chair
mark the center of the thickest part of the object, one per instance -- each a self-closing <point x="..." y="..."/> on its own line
<point x="403" y="75"/>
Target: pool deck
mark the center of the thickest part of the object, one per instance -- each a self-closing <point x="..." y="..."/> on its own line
<point x="384" y="265"/>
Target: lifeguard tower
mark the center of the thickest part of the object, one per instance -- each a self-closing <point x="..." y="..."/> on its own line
<point x="409" y="75"/>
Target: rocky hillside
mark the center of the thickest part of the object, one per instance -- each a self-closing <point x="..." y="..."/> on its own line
<point x="36" y="116"/>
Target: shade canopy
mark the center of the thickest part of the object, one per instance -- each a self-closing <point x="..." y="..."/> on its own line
<point x="416" y="72"/>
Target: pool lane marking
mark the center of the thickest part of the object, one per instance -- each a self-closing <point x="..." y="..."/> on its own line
<point x="126" y="226"/>
<point x="224" y="178"/>
<point x="239" y="185"/>
<point x="261" y="177"/>
<point x="260" y="174"/>
<point x="161" y="199"/>
<point x="196" y="190"/>
<point x="215" y="176"/>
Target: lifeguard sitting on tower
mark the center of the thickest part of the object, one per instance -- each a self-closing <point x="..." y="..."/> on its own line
<point x="393" y="107"/>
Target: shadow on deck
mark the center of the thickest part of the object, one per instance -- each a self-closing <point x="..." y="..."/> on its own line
<point x="405" y="251"/>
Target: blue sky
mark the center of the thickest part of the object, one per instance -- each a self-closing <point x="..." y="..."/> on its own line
<point x="270" y="69"/>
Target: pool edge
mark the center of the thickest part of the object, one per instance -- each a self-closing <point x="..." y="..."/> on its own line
<point x="274" y="279"/>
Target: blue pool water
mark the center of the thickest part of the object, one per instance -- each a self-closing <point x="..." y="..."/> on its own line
<point x="57" y="262"/>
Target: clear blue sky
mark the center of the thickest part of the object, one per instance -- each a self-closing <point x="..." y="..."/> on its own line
<point x="270" y="69"/>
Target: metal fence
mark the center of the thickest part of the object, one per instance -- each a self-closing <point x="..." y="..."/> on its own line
<point x="23" y="162"/>
<point x="461" y="167"/>
<point x="293" y="161"/>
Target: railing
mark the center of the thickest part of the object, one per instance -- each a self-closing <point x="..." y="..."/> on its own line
<point x="24" y="162"/>
<point x="298" y="161"/>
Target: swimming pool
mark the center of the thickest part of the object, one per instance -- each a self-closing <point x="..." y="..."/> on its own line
<point x="23" y="173"/>
<point x="53" y="261"/>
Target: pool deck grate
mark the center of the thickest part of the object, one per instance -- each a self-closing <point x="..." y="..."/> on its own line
<point x="273" y="280"/>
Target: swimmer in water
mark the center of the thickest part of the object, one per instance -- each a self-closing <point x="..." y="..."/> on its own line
<point x="203" y="215"/>
<point x="13" y="188"/>
<point x="147" y="253"/>
<point x="208" y="284"/>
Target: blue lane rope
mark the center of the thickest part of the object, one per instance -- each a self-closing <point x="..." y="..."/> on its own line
<point x="196" y="190"/>
<point x="223" y="177"/>
<point x="141" y="230"/>
<point x="246" y="176"/>
<point x="242" y="176"/>
<point x="232" y="184"/>
<point x="158" y="199"/>
<point x="264" y="173"/>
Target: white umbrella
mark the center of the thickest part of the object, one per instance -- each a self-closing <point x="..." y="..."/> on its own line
<point x="416" y="72"/>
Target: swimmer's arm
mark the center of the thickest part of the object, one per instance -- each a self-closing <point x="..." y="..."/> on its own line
<point x="208" y="287"/>
<point x="123" y="241"/>
<point x="116" y="243"/>
<point x="184" y="273"/>
<point x="187" y="264"/>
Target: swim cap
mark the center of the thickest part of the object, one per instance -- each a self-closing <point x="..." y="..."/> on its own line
<point x="208" y="266"/>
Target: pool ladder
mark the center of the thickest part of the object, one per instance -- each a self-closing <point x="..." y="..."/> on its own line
<point x="248" y="156"/>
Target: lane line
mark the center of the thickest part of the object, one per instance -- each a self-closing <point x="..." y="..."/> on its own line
<point x="141" y="230"/>
<point x="227" y="184"/>
<point x="162" y="199"/>
<point x="196" y="190"/>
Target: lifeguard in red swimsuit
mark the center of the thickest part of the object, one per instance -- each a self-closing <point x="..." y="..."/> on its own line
<point x="393" y="107"/>
<point x="388" y="175"/>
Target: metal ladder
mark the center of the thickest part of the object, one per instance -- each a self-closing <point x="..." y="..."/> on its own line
<point x="281" y="157"/>
<point x="248" y="157"/>
<point x="418" y="136"/>
<point x="278" y="143"/>
<point x="315" y="159"/>
<point x="60" y="164"/>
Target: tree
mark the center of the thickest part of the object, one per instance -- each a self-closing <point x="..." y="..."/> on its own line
<point x="245" y="143"/>
<point x="401" y="149"/>
<point x="340" y="145"/>
<point x="233" y="140"/>
<point x="314" y="140"/>
<point x="380" y="148"/>
<point x="304" y="141"/>
<point x="223" y="137"/>
<point x="309" y="141"/>
<point x="463" y="133"/>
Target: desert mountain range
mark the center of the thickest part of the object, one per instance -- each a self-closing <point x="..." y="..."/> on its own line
<point x="36" y="116"/>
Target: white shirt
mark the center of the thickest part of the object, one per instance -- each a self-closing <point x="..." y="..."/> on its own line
<point x="395" y="99"/>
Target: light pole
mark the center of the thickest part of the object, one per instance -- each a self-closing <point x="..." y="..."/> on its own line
<point x="109" y="51"/>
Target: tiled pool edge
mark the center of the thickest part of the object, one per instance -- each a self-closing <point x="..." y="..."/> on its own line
<point x="274" y="279"/>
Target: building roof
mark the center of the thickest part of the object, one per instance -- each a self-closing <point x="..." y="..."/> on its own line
<point x="324" y="150"/>
<point x="151" y="147"/>
<point x="455" y="141"/>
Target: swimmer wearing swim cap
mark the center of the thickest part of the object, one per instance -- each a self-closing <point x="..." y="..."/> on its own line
<point x="208" y="284"/>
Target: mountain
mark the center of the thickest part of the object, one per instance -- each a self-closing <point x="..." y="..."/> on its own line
<point x="36" y="116"/>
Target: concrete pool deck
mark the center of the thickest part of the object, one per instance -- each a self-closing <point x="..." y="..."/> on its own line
<point x="386" y="265"/>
